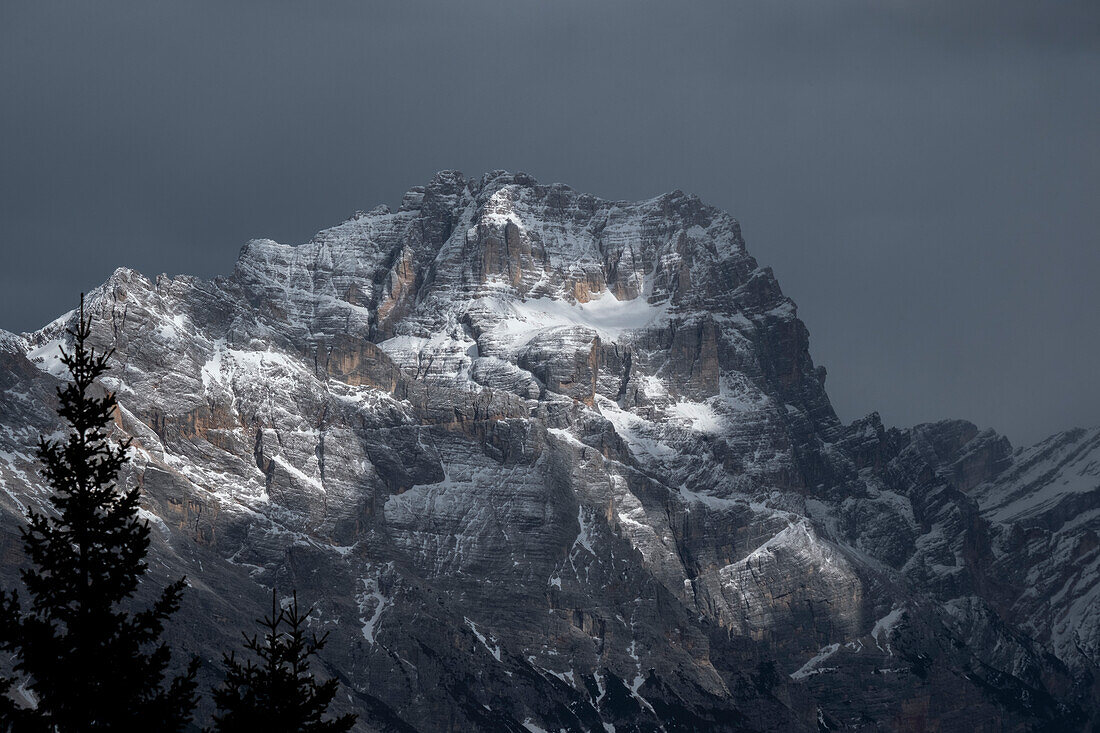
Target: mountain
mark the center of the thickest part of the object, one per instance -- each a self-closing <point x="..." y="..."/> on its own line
<point x="543" y="461"/>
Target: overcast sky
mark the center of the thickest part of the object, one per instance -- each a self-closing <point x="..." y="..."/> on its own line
<point x="924" y="177"/>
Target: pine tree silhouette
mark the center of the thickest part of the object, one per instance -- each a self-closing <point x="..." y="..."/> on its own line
<point x="280" y="693"/>
<point x="90" y="663"/>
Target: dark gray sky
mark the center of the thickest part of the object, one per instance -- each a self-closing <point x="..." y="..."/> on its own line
<point x="923" y="176"/>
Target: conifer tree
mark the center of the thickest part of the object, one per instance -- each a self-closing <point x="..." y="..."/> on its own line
<point x="89" y="661"/>
<point x="280" y="693"/>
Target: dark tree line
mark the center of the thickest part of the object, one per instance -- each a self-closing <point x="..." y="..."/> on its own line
<point x="82" y="659"/>
<point x="280" y="688"/>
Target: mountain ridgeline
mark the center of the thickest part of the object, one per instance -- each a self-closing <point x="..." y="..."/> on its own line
<point x="542" y="461"/>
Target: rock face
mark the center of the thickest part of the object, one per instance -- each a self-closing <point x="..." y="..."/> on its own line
<point x="544" y="461"/>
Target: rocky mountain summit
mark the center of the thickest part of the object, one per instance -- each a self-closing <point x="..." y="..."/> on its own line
<point x="544" y="461"/>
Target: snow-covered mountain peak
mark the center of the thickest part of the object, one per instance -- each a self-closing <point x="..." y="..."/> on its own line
<point x="547" y="459"/>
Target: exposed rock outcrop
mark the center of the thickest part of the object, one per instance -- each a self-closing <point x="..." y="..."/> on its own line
<point x="546" y="461"/>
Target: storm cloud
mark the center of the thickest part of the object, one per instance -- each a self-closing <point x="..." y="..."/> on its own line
<point x="923" y="176"/>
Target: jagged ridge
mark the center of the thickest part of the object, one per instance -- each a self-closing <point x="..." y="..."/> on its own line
<point x="548" y="460"/>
